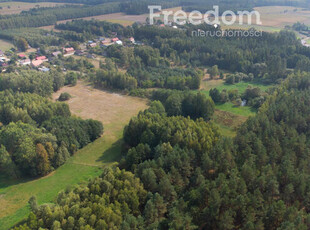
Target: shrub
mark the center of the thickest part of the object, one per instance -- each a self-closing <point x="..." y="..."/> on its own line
<point x="64" y="97"/>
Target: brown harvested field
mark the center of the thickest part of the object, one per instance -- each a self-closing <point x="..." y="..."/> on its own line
<point x="112" y="109"/>
<point x="120" y="18"/>
<point x="279" y="16"/>
<point x="17" y="7"/>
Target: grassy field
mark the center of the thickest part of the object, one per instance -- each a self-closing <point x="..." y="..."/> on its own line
<point x="229" y="117"/>
<point x="95" y="62"/>
<point x="5" y="45"/>
<point x="17" y="7"/>
<point x="228" y="122"/>
<point x="206" y="85"/>
<point x="241" y="87"/>
<point x="237" y="110"/>
<point x="114" y="111"/>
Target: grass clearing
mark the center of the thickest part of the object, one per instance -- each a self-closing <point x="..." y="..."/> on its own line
<point x="5" y="45"/>
<point x="241" y="86"/>
<point x="237" y="110"/>
<point x="210" y="84"/>
<point x="227" y="122"/>
<point x="114" y="111"/>
<point x="95" y="62"/>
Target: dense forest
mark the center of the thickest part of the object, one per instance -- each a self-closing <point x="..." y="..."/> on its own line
<point x="267" y="56"/>
<point x="38" y="135"/>
<point x="192" y="177"/>
<point x="35" y="37"/>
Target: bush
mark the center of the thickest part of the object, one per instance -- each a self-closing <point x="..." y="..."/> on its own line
<point x="64" y="97"/>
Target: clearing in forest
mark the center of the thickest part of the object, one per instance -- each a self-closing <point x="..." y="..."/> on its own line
<point x="114" y="111"/>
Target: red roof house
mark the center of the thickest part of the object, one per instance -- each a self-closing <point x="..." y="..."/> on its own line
<point x="69" y="51"/>
<point x="41" y="58"/>
<point x="115" y="39"/>
<point x="21" y="55"/>
<point x="36" y="63"/>
<point x="94" y="44"/>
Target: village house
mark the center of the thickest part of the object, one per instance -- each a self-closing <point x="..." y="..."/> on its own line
<point x="36" y="63"/>
<point x="69" y="51"/>
<point x="132" y="40"/>
<point x="92" y="45"/>
<point x="42" y="58"/>
<point x="106" y="42"/>
<point x="21" y="56"/>
<point x="55" y="54"/>
<point x="119" y="42"/>
<point x="44" y="69"/>
<point x="25" y="62"/>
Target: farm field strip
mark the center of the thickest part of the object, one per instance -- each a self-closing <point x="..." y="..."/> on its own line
<point x="17" y="7"/>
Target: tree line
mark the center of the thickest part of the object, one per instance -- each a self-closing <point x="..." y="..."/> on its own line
<point x="45" y="16"/>
<point x="32" y="81"/>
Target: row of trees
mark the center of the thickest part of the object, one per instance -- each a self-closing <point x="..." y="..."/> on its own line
<point x="32" y="81"/>
<point x="114" y="79"/>
<point x="37" y="17"/>
<point x="95" y="28"/>
<point x="180" y="103"/>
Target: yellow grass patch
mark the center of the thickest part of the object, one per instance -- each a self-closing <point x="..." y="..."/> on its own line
<point x="5" y="45"/>
<point x="107" y="107"/>
<point x="17" y="7"/>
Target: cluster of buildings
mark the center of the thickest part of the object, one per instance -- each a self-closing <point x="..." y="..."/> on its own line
<point x="3" y="60"/>
<point x="36" y="60"/>
<point x="105" y="42"/>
